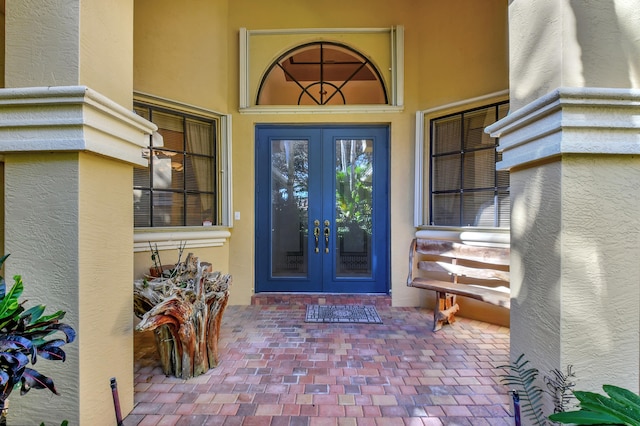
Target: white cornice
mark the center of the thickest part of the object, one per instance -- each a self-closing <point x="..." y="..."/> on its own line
<point x="70" y="118"/>
<point x="570" y="121"/>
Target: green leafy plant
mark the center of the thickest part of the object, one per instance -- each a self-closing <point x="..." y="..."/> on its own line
<point x="25" y="336"/>
<point x="353" y="197"/>
<point x="522" y="378"/>
<point x="619" y="407"/>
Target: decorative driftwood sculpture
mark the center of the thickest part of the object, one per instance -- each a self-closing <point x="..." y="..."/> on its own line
<point x="185" y="311"/>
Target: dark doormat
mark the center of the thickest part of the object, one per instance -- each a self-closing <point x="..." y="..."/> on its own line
<point x="361" y="314"/>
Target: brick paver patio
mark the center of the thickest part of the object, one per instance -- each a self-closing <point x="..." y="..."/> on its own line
<point x="276" y="369"/>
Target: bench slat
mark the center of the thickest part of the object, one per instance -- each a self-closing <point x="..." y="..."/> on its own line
<point x="449" y="249"/>
<point x="464" y="271"/>
<point x="494" y="297"/>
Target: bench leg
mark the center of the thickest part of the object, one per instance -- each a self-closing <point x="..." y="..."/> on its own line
<point x="446" y="307"/>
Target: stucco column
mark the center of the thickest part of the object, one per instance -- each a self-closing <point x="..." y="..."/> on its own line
<point x="571" y="144"/>
<point x="69" y="141"/>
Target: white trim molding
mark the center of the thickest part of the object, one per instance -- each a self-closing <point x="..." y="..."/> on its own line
<point x="71" y="118"/>
<point x="169" y="239"/>
<point x="297" y="36"/>
<point x="419" y="205"/>
<point x="570" y="121"/>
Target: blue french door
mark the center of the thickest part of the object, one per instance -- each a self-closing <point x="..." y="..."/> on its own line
<point x="322" y="209"/>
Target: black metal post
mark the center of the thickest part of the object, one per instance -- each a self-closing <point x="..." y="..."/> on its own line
<point x="116" y="401"/>
<point x="516" y="408"/>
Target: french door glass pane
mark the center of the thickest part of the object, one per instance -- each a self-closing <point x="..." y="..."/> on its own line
<point x="354" y="177"/>
<point x="289" y="203"/>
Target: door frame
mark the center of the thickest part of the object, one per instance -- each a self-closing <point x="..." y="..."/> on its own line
<point x="381" y="253"/>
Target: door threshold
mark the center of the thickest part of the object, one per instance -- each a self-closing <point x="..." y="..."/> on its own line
<point x="377" y="300"/>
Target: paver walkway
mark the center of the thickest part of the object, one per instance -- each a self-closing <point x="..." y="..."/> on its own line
<point x="276" y="369"/>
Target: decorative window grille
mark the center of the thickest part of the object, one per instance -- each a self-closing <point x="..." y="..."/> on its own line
<point x="322" y="73"/>
<point x="465" y="187"/>
<point x="179" y="187"/>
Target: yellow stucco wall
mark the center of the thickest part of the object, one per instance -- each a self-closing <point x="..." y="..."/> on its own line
<point x="106" y="48"/>
<point x="181" y="53"/>
<point x="2" y="26"/>
<point x="106" y="221"/>
<point x="191" y="55"/>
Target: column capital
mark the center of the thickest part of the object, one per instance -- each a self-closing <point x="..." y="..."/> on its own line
<point x="70" y="118"/>
<point x="577" y="120"/>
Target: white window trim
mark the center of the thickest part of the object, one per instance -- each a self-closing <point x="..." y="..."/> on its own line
<point x="224" y="174"/>
<point x="175" y="238"/>
<point x="396" y="34"/>
<point x="419" y="205"/>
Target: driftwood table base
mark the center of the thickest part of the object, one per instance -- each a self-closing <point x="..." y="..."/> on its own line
<point x="185" y="311"/>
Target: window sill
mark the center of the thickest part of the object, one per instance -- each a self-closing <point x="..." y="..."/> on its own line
<point x="173" y="238"/>
<point x="302" y="109"/>
<point x="473" y="236"/>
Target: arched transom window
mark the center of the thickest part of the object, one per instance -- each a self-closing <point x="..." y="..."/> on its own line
<point x="322" y="73"/>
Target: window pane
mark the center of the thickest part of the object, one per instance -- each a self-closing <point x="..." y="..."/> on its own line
<point x="479" y="169"/>
<point x="167" y="209"/>
<point x="446" y="172"/>
<point x="199" y="209"/>
<point x="290" y="202"/>
<point x="479" y="209"/>
<point x="141" y="208"/>
<point x="200" y="138"/>
<point x="141" y="177"/>
<point x="446" y="209"/>
<point x="474" y="124"/>
<point x="503" y="110"/>
<point x="168" y="122"/>
<point x="504" y="209"/>
<point x="199" y="174"/>
<point x="446" y="135"/>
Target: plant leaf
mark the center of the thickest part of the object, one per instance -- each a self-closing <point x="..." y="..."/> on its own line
<point x="31" y="379"/>
<point x="19" y="343"/>
<point x="9" y="303"/>
<point x="623" y="396"/>
<point x="33" y="314"/>
<point x="51" y="350"/>
<point x="69" y="332"/>
<point x="3" y="258"/>
<point x="584" y="417"/>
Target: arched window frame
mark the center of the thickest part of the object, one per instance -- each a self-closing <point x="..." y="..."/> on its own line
<point x="249" y="82"/>
<point x="336" y="90"/>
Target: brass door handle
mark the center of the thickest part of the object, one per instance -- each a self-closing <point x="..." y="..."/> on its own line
<point x="316" y="233"/>
<point x="327" y="232"/>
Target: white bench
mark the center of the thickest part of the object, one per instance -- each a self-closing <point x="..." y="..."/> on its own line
<point x="455" y="269"/>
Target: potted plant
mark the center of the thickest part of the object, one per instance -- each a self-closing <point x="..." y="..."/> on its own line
<point x="25" y="336"/>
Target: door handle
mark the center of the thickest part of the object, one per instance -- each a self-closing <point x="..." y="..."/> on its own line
<point x="316" y="233"/>
<point x="327" y="232"/>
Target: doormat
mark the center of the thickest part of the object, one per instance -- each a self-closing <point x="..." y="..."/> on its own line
<point x="361" y="314"/>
